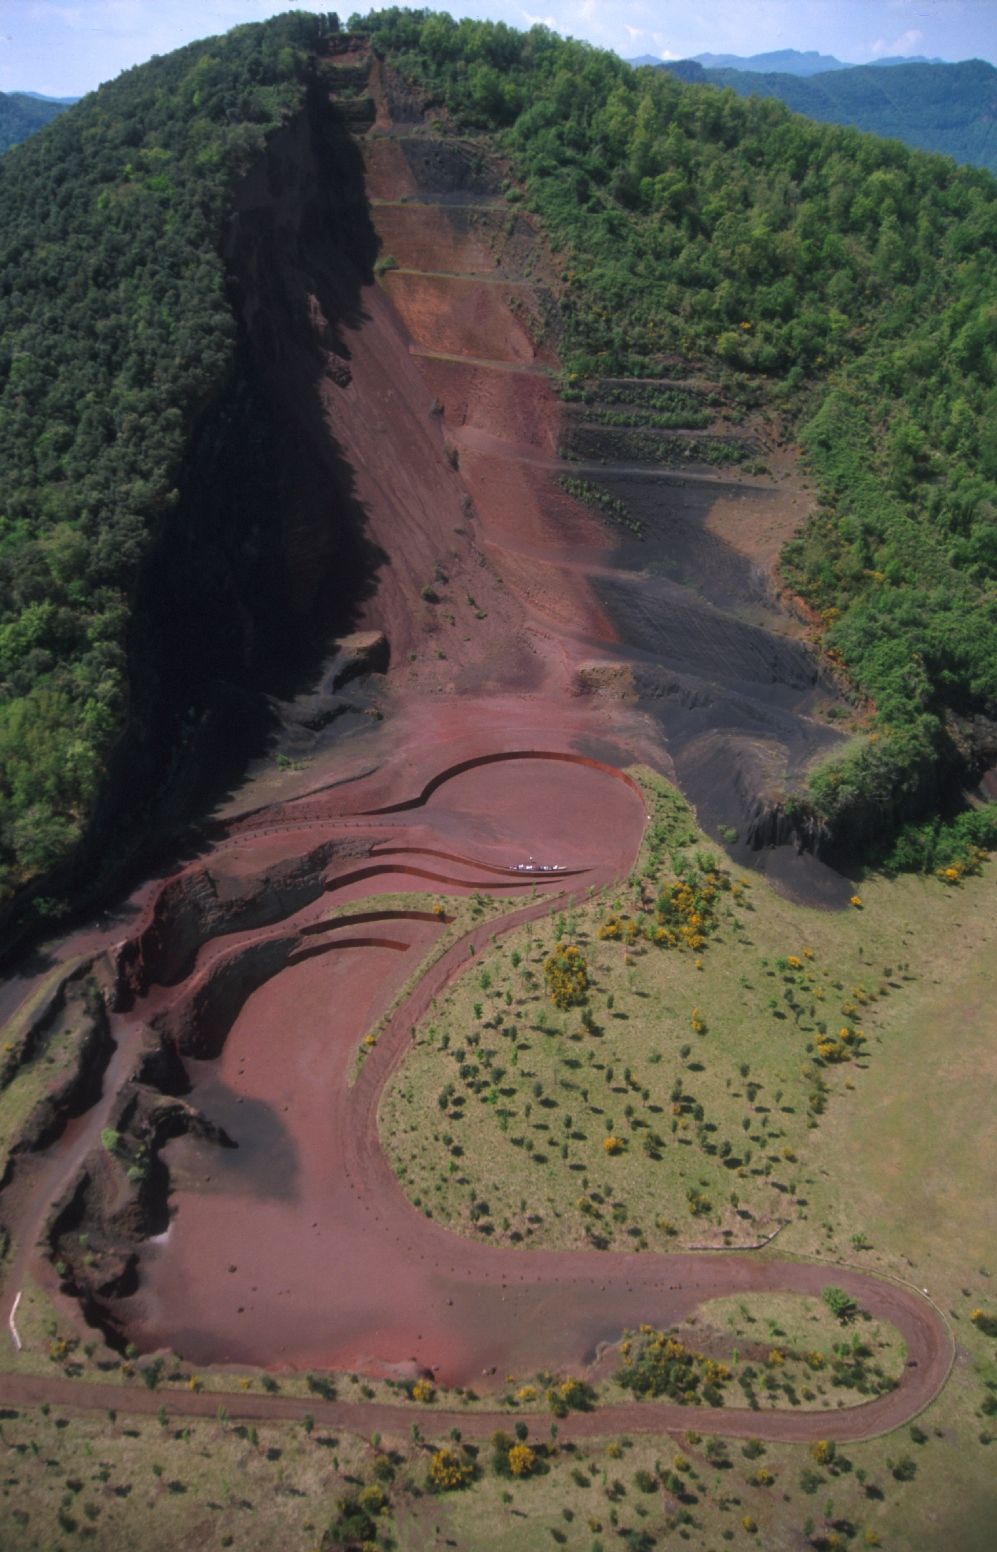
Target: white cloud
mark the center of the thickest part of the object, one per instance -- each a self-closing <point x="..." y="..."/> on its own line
<point x="906" y="43"/>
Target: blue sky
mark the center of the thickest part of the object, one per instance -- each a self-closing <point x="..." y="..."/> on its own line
<point x="66" y="47"/>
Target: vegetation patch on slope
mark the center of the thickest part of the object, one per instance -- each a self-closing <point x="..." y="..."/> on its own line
<point x="761" y="1375"/>
<point x="719" y="1028"/>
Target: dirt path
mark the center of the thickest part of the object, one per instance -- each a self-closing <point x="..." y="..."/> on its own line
<point x="340" y="1270"/>
<point x="917" y="1388"/>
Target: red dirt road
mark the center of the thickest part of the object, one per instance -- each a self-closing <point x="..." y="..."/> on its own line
<point x="299" y="1249"/>
<point x="338" y="1259"/>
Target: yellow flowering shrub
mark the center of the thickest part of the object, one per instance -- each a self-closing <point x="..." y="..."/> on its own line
<point x="449" y="1470"/>
<point x="687" y="909"/>
<point x="657" y="1363"/>
<point x="570" y="1392"/>
<point x="522" y="1460"/>
<point x="566" y="976"/>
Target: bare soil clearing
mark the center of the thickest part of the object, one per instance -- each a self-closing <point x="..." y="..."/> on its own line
<point x="338" y="1270"/>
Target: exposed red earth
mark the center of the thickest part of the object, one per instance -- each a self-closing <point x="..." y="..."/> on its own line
<point x="240" y="987"/>
<point x="298" y="1248"/>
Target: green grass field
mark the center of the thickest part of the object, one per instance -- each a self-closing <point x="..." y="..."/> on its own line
<point x="894" y="1175"/>
<point x="677" y="1107"/>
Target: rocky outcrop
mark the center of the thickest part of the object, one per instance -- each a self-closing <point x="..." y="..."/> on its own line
<point x="118" y="1199"/>
<point x="205" y="902"/>
<point x="77" y="1091"/>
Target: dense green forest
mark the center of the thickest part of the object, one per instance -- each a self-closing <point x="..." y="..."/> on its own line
<point x="933" y="107"/>
<point x="114" y="334"/>
<point x="21" y="116"/>
<point x="849" y="277"/>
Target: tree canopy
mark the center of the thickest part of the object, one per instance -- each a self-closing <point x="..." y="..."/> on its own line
<point x="931" y="106"/>
<point x="21" y="115"/>
<point x="114" y="335"/>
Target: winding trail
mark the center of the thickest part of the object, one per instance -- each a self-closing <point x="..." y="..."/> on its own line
<point x="299" y="1248"/>
<point x="847" y="1424"/>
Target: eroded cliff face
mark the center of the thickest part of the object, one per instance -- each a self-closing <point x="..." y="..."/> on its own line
<point x="264" y="561"/>
<point x="643" y="575"/>
<point x="391" y="454"/>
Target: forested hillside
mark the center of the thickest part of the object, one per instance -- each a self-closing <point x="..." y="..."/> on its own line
<point x="847" y="278"/>
<point x="933" y="107"/>
<point x="844" y="279"/>
<point x="114" y="334"/>
<point x="21" y="116"/>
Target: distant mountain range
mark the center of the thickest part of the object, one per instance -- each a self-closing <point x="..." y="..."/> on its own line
<point x="64" y="102"/>
<point x="927" y="104"/>
<point x="22" y="113"/>
<point x="785" y="62"/>
<point x="793" y="62"/>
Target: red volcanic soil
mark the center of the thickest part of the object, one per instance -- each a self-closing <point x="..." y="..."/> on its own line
<point x="464" y="315"/>
<point x="474" y="240"/>
<point x="516" y="406"/>
<point x="297" y="1247"/>
<point x="334" y="1267"/>
<point x="340" y="1270"/>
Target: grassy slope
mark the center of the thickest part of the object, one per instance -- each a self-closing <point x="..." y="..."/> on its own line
<point x="904" y="1128"/>
<point x="897" y="1160"/>
<point x="134" y="1483"/>
<point x="888" y="950"/>
<point x="793" y="1321"/>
